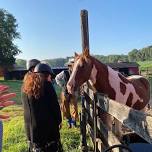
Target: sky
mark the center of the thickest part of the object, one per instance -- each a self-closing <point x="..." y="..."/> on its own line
<point x="51" y="28"/>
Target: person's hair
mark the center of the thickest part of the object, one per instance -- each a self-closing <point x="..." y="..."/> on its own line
<point x="33" y="84"/>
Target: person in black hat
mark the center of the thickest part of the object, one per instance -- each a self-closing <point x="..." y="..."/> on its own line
<point x="42" y="113"/>
<point x="30" y="65"/>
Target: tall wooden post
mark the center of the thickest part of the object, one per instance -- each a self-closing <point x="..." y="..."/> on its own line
<point x="85" y="44"/>
<point x="84" y="29"/>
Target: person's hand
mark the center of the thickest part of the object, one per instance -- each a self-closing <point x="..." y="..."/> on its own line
<point x="5" y="99"/>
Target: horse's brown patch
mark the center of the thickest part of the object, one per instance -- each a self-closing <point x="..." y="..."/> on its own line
<point x="138" y="105"/>
<point x="129" y="100"/>
<point x="123" y="79"/>
<point x="142" y="92"/>
<point x="122" y="88"/>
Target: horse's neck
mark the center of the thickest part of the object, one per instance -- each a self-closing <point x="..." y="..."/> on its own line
<point x="103" y="78"/>
<point x="99" y="75"/>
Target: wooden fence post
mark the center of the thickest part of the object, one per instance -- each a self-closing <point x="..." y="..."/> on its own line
<point x="84" y="29"/>
<point x="83" y="122"/>
<point x="95" y="121"/>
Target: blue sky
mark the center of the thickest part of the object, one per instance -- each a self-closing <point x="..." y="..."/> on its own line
<point x="51" y="28"/>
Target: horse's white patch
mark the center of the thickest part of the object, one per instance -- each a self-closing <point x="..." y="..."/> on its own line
<point x="134" y="77"/>
<point x="71" y="82"/>
<point x="114" y="81"/>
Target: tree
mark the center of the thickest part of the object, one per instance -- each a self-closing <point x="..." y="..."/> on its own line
<point x="21" y="63"/>
<point x="8" y="33"/>
<point x="133" y="55"/>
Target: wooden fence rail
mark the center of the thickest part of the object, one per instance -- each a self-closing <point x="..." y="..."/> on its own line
<point x="93" y="104"/>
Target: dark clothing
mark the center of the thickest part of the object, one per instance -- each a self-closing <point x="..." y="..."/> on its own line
<point x="42" y="116"/>
<point x="49" y="147"/>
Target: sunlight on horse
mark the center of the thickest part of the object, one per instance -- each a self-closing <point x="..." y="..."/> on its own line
<point x="133" y="91"/>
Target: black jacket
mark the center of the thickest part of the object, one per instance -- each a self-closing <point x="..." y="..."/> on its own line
<point x="42" y="116"/>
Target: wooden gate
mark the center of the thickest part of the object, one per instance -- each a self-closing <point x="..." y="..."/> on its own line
<point x="94" y="104"/>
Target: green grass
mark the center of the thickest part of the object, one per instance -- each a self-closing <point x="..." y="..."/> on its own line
<point x="14" y="139"/>
<point x="1" y="78"/>
<point x="15" y="86"/>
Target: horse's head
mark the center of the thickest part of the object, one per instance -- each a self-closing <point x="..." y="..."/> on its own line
<point x="81" y="71"/>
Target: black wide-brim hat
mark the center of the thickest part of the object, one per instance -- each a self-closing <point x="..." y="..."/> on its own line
<point x="44" y="68"/>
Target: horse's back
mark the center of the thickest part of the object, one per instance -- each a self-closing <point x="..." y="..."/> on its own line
<point x="142" y="85"/>
<point x="139" y="80"/>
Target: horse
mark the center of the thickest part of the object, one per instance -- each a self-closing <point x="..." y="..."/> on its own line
<point x="133" y="91"/>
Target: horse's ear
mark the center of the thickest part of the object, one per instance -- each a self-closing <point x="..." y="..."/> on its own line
<point x="76" y="54"/>
<point x="86" y="52"/>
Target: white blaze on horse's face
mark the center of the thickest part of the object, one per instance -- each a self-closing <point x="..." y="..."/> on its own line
<point x="81" y="72"/>
<point x="71" y="82"/>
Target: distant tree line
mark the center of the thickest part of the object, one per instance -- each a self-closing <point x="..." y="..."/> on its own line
<point x="133" y="56"/>
<point x="140" y="55"/>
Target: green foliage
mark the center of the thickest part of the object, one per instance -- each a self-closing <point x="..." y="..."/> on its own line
<point x="59" y="62"/>
<point x="21" y="63"/>
<point x="145" y="64"/>
<point x="8" y="33"/>
<point x="111" y="58"/>
<point x="133" y="55"/>
<point x="140" y="55"/>
<point x="101" y="58"/>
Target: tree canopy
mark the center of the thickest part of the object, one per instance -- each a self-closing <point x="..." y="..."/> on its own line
<point x="8" y="33"/>
<point x="141" y="54"/>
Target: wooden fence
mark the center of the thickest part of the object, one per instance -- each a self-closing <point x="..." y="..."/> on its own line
<point x="93" y="105"/>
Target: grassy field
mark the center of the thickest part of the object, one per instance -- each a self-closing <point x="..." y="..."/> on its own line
<point x="14" y="139"/>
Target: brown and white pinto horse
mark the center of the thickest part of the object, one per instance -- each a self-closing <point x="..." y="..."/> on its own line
<point x="133" y="91"/>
